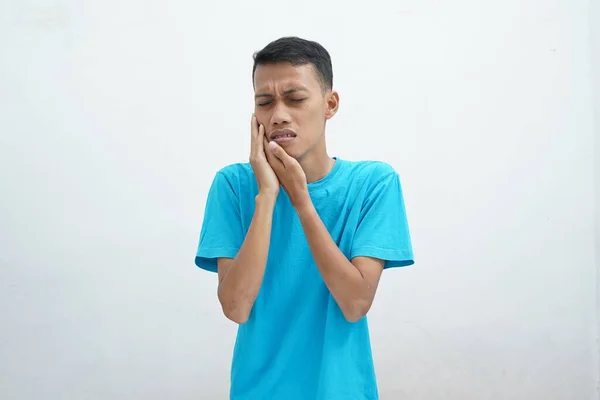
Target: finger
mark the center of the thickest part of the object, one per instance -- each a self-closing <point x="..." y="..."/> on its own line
<point x="260" y="138"/>
<point x="270" y="156"/>
<point x="254" y="126"/>
<point x="278" y="152"/>
<point x="253" y="135"/>
<point x="266" y="148"/>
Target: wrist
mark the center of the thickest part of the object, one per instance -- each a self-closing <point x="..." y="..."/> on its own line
<point x="305" y="207"/>
<point x="265" y="199"/>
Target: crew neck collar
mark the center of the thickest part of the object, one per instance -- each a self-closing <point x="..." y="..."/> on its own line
<point x="327" y="178"/>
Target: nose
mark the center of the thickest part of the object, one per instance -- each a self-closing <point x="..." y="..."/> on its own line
<point x="280" y="115"/>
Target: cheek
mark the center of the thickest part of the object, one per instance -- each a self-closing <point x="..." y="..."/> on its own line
<point x="318" y="109"/>
<point x="315" y="114"/>
<point x="261" y="115"/>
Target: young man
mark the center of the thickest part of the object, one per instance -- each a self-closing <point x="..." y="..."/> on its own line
<point x="300" y="240"/>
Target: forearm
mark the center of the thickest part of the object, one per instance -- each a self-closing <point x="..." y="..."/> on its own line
<point x="241" y="284"/>
<point x="348" y="287"/>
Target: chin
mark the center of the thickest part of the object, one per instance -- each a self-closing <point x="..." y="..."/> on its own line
<point x="297" y="155"/>
<point x="289" y="149"/>
<point x="292" y="154"/>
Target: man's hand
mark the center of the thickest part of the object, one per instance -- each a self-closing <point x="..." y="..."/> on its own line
<point x="265" y="176"/>
<point x="289" y="172"/>
<point x="352" y="284"/>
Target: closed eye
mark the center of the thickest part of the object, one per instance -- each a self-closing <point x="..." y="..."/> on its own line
<point x="266" y="103"/>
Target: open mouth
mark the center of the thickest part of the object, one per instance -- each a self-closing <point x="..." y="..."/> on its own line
<point x="283" y="136"/>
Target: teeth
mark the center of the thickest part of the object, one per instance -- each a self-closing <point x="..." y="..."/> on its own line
<point x="282" y="136"/>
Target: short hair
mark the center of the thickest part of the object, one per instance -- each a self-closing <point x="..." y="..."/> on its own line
<point x="297" y="51"/>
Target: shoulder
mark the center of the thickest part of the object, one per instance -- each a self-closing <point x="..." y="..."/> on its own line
<point x="236" y="171"/>
<point x="371" y="172"/>
<point x="236" y="175"/>
<point x="236" y="179"/>
<point x="372" y="168"/>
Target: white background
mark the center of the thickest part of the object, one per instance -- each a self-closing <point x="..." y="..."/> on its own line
<point x="115" y="115"/>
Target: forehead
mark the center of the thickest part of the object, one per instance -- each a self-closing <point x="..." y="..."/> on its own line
<point x="281" y="75"/>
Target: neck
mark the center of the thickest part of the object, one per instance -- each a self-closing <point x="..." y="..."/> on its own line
<point x="316" y="165"/>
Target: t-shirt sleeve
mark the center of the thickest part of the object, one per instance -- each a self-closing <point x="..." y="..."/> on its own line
<point x="382" y="230"/>
<point x="221" y="234"/>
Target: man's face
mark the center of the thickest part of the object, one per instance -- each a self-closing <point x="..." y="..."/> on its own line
<point x="293" y="107"/>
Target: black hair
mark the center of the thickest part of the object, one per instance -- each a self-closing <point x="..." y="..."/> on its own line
<point x="297" y="51"/>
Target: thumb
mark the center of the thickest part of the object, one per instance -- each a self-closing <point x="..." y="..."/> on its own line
<point x="278" y="152"/>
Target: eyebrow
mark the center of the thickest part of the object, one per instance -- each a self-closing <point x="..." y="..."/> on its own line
<point x="289" y="91"/>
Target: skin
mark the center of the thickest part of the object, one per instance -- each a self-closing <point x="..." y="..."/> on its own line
<point x="292" y="97"/>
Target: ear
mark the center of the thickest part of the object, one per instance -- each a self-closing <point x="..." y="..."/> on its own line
<point x="332" y="103"/>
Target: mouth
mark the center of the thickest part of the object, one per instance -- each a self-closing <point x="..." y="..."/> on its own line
<point x="282" y="136"/>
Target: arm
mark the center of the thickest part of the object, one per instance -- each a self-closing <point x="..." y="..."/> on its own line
<point x="381" y="240"/>
<point x="352" y="284"/>
<point x="240" y="278"/>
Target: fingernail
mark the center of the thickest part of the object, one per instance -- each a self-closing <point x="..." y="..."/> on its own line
<point x="272" y="145"/>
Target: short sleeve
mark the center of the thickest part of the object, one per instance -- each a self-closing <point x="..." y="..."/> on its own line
<point x="382" y="230"/>
<point x="221" y="234"/>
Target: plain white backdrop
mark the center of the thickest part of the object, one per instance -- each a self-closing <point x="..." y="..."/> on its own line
<point x="115" y="115"/>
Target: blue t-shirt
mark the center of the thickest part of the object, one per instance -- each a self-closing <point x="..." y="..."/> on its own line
<point x="296" y="344"/>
